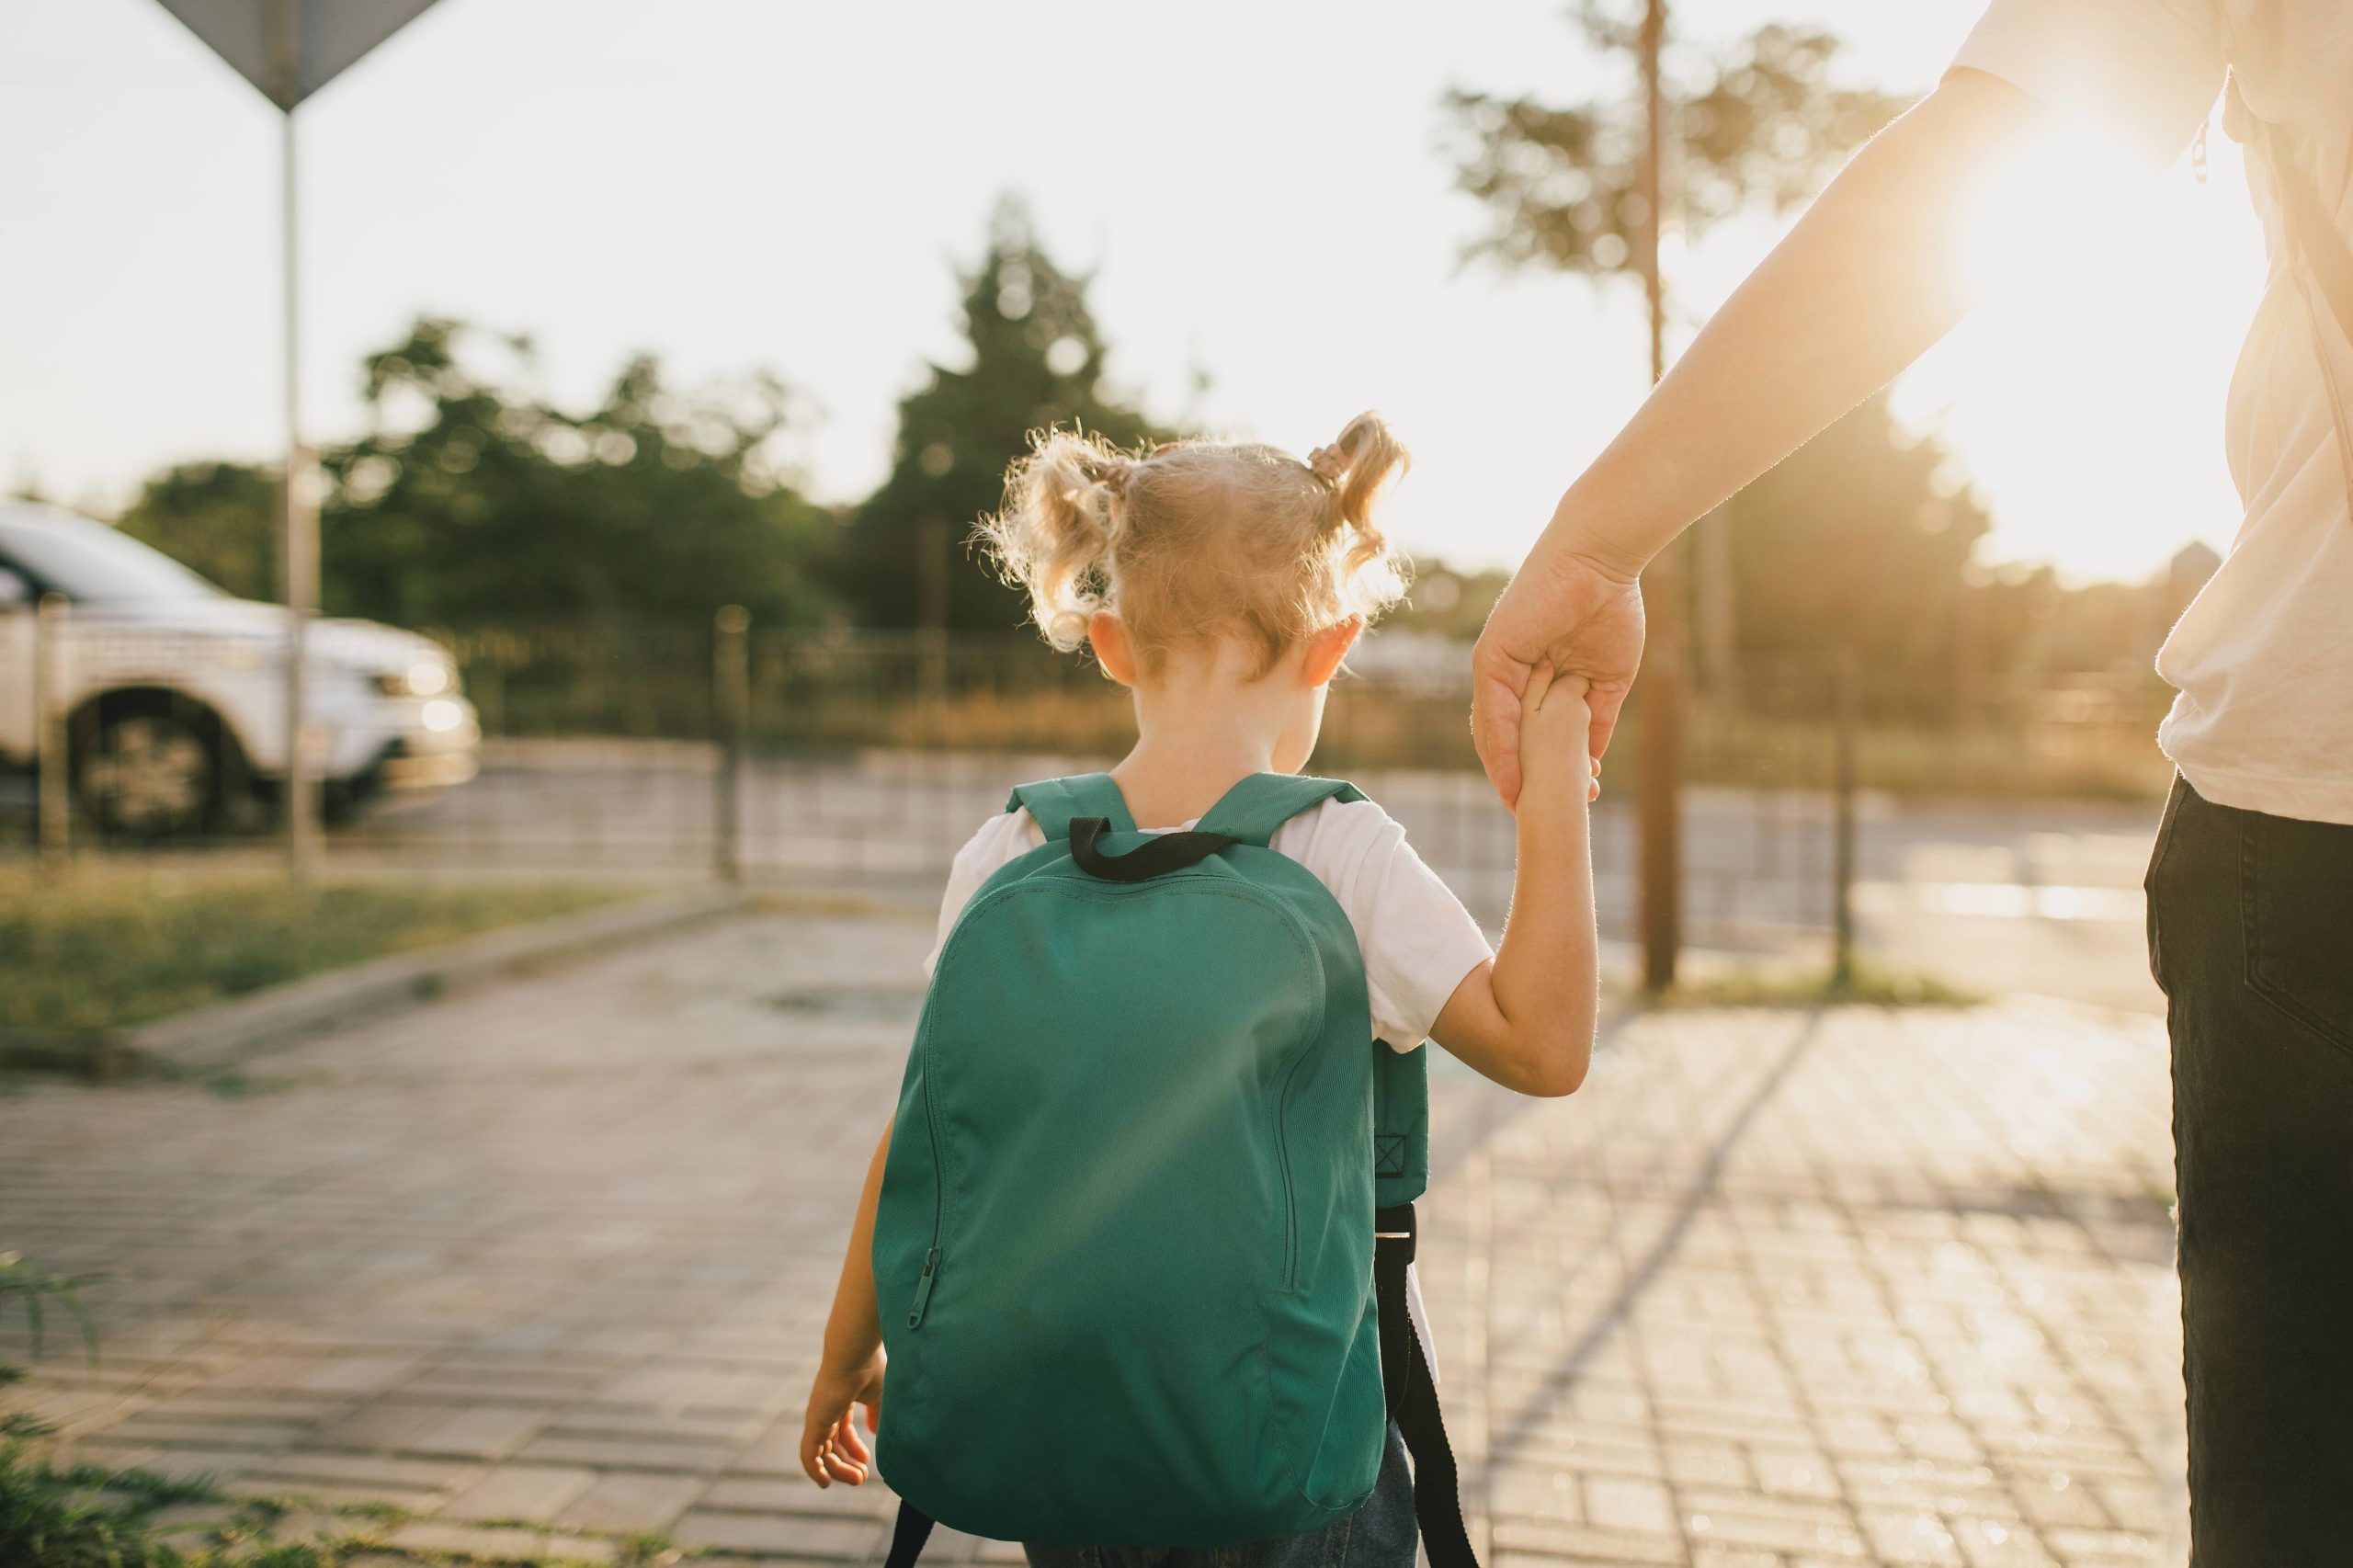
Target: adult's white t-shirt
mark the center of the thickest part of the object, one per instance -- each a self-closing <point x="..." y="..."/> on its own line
<point x="2262" y="660"/>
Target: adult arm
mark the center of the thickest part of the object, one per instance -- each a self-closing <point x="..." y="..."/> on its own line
<point x="1865" y="282"/>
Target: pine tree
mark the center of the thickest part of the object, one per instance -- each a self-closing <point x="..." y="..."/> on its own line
<point x="1037" y="362"/>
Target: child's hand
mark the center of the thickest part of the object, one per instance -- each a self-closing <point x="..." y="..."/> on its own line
<point x="1554" y="728"/>
<point x="831" y="1447"/>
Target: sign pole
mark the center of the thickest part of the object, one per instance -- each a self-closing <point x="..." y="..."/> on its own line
<point x="290" y="49"/>
<point x="299" y="545"/>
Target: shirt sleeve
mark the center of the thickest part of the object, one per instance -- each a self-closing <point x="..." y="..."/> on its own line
<point x="2144" y="72"/>
<point x="1001" y="839"/>
<point x="1417" y="940"/>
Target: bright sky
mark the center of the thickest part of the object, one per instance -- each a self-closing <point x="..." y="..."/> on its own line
<point x="1258" y="188"/>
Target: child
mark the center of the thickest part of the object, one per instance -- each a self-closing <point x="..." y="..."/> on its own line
<point x="1224" y="584"/>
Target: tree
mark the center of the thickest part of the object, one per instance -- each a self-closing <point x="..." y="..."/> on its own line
<point x="1037" y="361"/>
<point x="216" y="517"/>
<point x="1759" y="126"/>
<point x="469" y="502"/>
<point x="1857" y="541"/>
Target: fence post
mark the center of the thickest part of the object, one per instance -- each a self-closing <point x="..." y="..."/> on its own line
<point x="732" y="711"/>
<point x="1842" y="873"/>
<point x="49" y="718"/>
<point x="1658" y="821"/>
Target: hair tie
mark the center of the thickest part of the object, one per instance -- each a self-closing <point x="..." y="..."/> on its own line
<point x="1114" y="475"/>
<point x="1329" y="463"/>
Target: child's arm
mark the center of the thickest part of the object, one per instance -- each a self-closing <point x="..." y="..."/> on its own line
<point x="1526" y="1019"/>
<point x="849" y="1372"/>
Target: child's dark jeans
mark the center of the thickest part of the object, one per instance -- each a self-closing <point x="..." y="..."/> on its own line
<point x="1382" y="1534"/>
<point x="2251" y="935"/>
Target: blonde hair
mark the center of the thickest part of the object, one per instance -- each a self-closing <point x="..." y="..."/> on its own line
<point x="1191" y="541"/>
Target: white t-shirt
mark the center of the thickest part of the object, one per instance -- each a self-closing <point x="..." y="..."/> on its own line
<point x="1417" y="940"/>
<point x="2263" y="658"/>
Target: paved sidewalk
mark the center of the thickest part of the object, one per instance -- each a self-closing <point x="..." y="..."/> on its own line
<point x="544" y="1266"/>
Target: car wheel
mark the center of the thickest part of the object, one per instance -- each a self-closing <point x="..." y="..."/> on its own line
<point x="148" y="774"/>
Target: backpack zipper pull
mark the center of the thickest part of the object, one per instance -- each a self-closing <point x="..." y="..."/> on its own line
<point x="923" y="1288"/>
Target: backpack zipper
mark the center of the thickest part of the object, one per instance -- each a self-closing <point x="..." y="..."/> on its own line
<point x="923" y="1288"/>
<point x="939" y="1211"/>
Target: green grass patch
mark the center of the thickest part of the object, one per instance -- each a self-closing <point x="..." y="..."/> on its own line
<point x="109" y="943"/>
<point x="1866" y="985"/>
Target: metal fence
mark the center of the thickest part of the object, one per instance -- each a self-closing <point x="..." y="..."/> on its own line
<point x="862" y="760"/>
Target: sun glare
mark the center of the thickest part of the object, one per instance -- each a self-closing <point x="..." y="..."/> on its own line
<point x="2127" y="297"/>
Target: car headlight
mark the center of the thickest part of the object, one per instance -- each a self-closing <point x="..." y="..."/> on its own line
<point x="427" y="678"/>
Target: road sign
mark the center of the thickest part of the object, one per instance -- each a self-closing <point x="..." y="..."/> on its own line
<point x="328" y="36"/>
<point x="289" y="49"/>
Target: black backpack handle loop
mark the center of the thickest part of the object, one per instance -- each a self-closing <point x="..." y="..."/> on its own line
<point x="1156" y="857"/>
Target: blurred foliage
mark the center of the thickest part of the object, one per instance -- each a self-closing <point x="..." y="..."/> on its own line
<point x="1858" y="541"/>
<point x="218" y="518"/>
<point x="117" y="943"/>
<point x="32" y="1289"/>
<point x="468" y="501"/>
<point x="473" y="499"/>
<point x="1037" y="361"/>
<point x="1757" y="127"/>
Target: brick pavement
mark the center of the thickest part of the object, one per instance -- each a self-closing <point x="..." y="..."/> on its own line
<point x="544" y="1267"/>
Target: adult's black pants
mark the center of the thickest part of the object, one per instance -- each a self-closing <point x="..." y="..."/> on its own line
<point x="2251" y="937"/>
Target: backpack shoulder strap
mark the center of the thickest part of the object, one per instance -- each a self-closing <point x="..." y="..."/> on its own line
<point x="1252" y="810"/>
<point x="1055" y="801"/>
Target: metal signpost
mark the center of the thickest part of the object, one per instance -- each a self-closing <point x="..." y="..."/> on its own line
<point x="289" y="49"/>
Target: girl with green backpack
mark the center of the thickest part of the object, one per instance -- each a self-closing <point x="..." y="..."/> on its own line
<point x="1136" y="1247"/>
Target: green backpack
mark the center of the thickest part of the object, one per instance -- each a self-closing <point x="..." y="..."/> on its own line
<point x="1125" y="1249"/>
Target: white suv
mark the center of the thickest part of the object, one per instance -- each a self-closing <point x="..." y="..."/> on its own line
<point x="176" y="691"/>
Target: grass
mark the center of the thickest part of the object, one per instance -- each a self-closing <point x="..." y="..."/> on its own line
<point x="81" y="1516"/>
<point x="108" y="944"/>
<point x="1866" y="985"/>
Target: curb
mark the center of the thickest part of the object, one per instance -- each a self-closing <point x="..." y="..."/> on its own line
<point x="223" y="1034"/>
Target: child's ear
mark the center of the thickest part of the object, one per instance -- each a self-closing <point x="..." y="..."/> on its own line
<point x="1327" y="648"/>
<point x="1112" y="649"/>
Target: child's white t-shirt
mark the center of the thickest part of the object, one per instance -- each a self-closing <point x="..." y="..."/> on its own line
<point x="1417" y="940"/>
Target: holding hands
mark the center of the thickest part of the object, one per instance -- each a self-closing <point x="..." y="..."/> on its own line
<point x="1566" y="621"/>
<point x="1555" y="729"/>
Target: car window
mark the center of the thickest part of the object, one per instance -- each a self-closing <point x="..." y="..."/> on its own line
<point x="91" y="563"/>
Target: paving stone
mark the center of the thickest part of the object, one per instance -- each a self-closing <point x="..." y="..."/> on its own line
<point x="623" y="1453"/>
<point x="368" y="1470"/>
<point x="631" y="1501"/>
<point x="520" y="1492"/>
<point x="385" y="1423"/>
<point x="480" y="1431"/>
<point x="472" y="1541"/>
<point x="801" y="1534"/>
<point x="1618" y="1503"/>
<point x="1863" y="1285"/>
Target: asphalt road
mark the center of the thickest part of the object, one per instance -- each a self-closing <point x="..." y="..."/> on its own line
<point x="2038" y="898"/>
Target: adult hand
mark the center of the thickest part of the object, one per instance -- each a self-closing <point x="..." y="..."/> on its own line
<point x="1570" y="611"/>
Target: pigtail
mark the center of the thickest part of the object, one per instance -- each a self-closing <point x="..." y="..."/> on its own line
<point x="1055" y="532"/>
<point x="1358" y="465"/>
